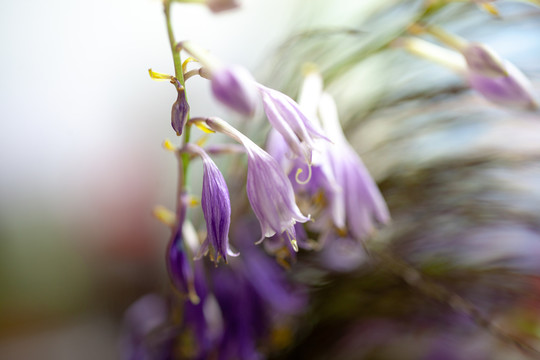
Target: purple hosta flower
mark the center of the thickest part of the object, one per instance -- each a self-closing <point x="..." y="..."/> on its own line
<point x="231" y="85"/>
<point x="364" y="204"/>
<point x="321" y="189"/>
<point x="269" y="191"/>
<point x="235" y="87"/>
<point x="145" y="332"/>
<point x="285" y="115"/>
<point x="255" y="298"/>
<point x="180" y="109"/>
<point x="216" y="208"/>
<point x="498" y="80"/>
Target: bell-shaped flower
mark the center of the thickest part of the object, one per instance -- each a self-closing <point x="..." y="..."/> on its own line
<point x="235" y="87"/>
<point x="216" y="207"/>
<point x="364" y="204"/>
<point x="498" y="80"/>
<point x="285" y="115"/>
<point x="269" y="191"/>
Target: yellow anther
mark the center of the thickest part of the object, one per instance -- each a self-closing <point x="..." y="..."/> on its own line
<point x="159" y="76"/>
<point x="202" y="140"/>
<point x="193" y="201"/>
<point x="168" y="145"/>
<point x="164" y="215"/>
<point x="490" y="8"/>
<point x="186" y="62"/>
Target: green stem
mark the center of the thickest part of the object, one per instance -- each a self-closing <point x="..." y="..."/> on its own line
<point x="179" y="74"/>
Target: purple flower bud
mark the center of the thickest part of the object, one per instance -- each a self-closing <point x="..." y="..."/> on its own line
<point x="216" y="207"/>
<point x="180" y="110"/>
<point x="235" y="87"/>
<point x="498" y="80"/>
<point x="285" y="116"/>
<point x="269" y="191"/>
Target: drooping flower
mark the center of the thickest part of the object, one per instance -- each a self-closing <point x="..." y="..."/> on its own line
<point x="364" y="204"/>
<point x="235" y="88"/>
<point x="498" y="80"/>
<point x="269" y="191"/>
<point x="285" y="115"/>
<point x="216" y="208"/>
<point x="322" y="188"/>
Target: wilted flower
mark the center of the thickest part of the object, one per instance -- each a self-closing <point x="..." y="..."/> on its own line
<point x="269" y="191"/>
<point x="216" y="208"/>
<point x="498" y="80"/>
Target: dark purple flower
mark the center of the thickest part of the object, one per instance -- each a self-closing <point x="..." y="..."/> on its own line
<point x="235" y="87"/>
<point x="498" y="80"/>
<point x="269" y="191"/>
<point x="180" y="110"/>
<point x="216" y="208"/>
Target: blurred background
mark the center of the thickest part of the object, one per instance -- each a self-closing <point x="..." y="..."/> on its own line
<point x="82" y="164"/>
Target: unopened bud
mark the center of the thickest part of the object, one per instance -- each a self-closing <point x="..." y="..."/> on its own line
<point x="180" y="111"/>
<point x="498" y="80"/>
